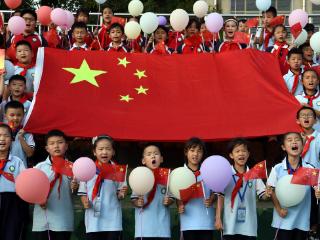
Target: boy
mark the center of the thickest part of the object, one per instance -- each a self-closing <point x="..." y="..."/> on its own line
<point x="79" y="32"/>
<point x="293" y="77"/>
<point x="116" y="34"/>
<point x="308" y="56"/>
<point x="310" y="30"/>
<point x="156" y="214"/>
<point x="54" y="219"/>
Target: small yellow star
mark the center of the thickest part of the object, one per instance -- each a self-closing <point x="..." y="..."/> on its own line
<point x="126" y="98"/>
<point x="142" y="90"/>
<point x="121" y="169"/>
<point x="260" y="165"/>
<point x="140" y="74"/>
<point x="314" y="173"/>
<point x="123" y="62"/>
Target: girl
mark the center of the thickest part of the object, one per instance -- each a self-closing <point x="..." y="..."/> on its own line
<point x="103" y="35"/>
<point x="294" y="222"/>
<point x="196" y="217"/>
<point x="310" y="95"/>
<point x="158" y="43"/>
<point x="100" y="197"/>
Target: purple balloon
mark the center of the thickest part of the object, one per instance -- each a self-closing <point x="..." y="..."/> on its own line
<point x="216" y="173"/>
<point x="300" y="16"/>
<point x="162" y="20"/>
<point x="214" y="22"/>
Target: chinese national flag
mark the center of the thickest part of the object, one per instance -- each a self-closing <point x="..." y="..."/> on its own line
<point x="296" y="29"/>
<point x="241" y="37"/>
<point x="161" y="175"/>
<point x="194" y="191"/>
<point x="160" y="48"/>
<point x="277" y="21"/>
<point x="134" y="96"/>
<point x="306" y="176"/>
<point x="62" y="166"/>
<point x="252" y="22"/>
<point x="259" y="171"/>
<point x="114" y="172"/>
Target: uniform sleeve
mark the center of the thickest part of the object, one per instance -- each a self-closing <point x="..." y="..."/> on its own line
<point x="272" y="180"/>
<point x="82" y="191"/>
<point x="260" y="188"/>
<point x="30" y="141"/>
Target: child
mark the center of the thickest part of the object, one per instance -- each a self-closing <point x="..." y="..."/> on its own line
<point x="23" y="144"/>
<point x="243" y="26"/>
<point x="54" y="219"/>
<point x="310" y="95"/>
<point x="195" y="222"/>
<point x="116" y="34"/>
<point x="103" y="35"/>
<point x="308" y="56"/>
<point x="294" y="222"/>
<point x="293" y="77"/>
<point x="103" y="216"/>
<point x="310" y="30"/>
<point x="82" y="15"/>
<point x="240" y="195"/>
<point x="154" y="221"/>
<point x="158" y="45"/>
<point x="79" y="32"/>
<point x="11" y="216"/>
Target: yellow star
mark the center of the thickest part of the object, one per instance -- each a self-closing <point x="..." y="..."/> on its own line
<point x="84" y="73"/>
<point x="123" y="62"/>
<point x="142" y="90"/>
<point x="314" y="173"/>
<point x="260" y="165"/>
<point x="140" y="74"/>
<point x="126" y="98"/>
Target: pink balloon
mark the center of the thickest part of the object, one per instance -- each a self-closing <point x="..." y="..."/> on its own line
<point x="43" y="14"/>
<point x="58" y="16"/>
<point x="70" y="19"/>
<point x="84" y="169"/>
<point x="16" y="25"/>
<point x="32" y="185"/>
<point x="214" y="22"/>
<point x="298" y="15"/>
<point x="13" y="3"/>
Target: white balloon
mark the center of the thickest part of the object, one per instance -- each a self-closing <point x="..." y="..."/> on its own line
<point x="315" y="42"/>
<point x="135" y="8"/>
<point x="149" y="22"/>
<point x="200" y="8"/>
<point x="302" y="38"/>
<point x="132" y="29"/>
<point x="316" y="2"/>
<point x="141" y="180"/>
<point x="263" y="5"/>
<point x="289" y="194"/>
<point x="180" y="178"/>
<point x="179" y="19"/>
<point x="101" y="1"/>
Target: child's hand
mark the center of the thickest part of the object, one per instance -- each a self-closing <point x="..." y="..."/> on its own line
<point x="181" y="208"/>
<point x="85" y="202"/>
<point x="282" y="212"/>
<point x="140" y="202"/>
<point x="208" y="202"/>
<point x="43" y="206"/>
<point x="218" y="224"/>
<point x="166" y="201"/>
<point x="317" y="192"/>
<point x="122" y="193"/>
<point x="268" y="192"/>
<point x="74" y="185"/>
<point x="21" y="133"/>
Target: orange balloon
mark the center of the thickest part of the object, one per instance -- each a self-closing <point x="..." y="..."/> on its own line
<point x="12" y="4"/>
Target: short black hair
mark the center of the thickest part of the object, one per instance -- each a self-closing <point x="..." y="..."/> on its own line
<point x="82" y="11"/>
<point x="29" y="11"/>
<point x="242" y="20"/>
<point x="148" y="144"/>
<point x="283" y="137"/>
<point x="295" y="51"/>
<point x="23" y="43"/>
<point x="6" y="126"/>
<point x="17" y="77"/>
<point x="310" y="70"/>
<point x="237" y="142"/>
<point x="272" y="10"/>
<point x="309" y="27"/>
<point x="306" y="108"/>
<point x="13" y="105"/>
<point x="55" y="133"/>
<point x="195" y="142"/>
<point x="79" y="25"/>
<point x="278" y="26"/>
<point x="164" y="28"/>
<point x="116" y="25"/>
<point x="97" y="139"/>
<point x="303" y="46"/>
<point x="106" y="6"/>
<point x="193" y="20"/>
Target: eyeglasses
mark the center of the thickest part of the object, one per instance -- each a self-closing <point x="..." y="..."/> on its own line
<point x="306" y="116"/>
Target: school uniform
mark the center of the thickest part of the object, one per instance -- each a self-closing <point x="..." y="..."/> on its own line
<point x="293" y="82"/>
<point x="241" y="218"/>
<point x="75" y="47"/>
<point x="103" y="36"/>
<point x="16" y="148"/>
<point x="268" y="39"/>
<point x="280" y="50"/>
<point x="120" y="48"/>
<point x="311" y="150"/>
<point x="175" y="39"/>
<point x="24" y="100"/>
<point x="187" y="48"/>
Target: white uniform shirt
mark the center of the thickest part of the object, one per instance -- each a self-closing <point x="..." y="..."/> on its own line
<point x="15" y="167"/>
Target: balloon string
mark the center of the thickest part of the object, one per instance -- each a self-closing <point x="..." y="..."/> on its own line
<point x="45" y="213"/>
<point x="276" y="235"/>
<point x="141" y="215"/>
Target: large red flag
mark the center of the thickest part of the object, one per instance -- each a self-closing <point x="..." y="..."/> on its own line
<point x="151" y="97"/>
<point x="259" y="171"/>
<point x="306" y="176"/>
<point x="194" y="191"/>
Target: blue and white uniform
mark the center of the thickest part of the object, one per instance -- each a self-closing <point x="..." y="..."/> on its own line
<point x="312" y="156"/>
<point x="14" y="166"/>
<point x="289" y="80"/>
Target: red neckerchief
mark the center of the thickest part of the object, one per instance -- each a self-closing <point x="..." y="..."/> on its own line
<point x="103" y="36"/>
<point x="267" y="38"/>
<point x="307" y="65"/>
<point x="25" y="68"/>
<point x="236" y="188"/>
<point x="307" y="145"/>
<point x="151" y="195"/>
<point x="229" y="46"/>
<point x="279" y="51"/>
<point x="23" y="98"/>
<point x="57" y="169"/>
<point x="295" y="82"/>
<point x="8" y="176"/>
<point x="99" y="179"/>
<point x="311" y="98"/>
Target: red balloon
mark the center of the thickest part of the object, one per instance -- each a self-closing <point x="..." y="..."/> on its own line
<point x="43" y="14"/>
<point x="13" y="3"/>
<point x="32" y="185"/>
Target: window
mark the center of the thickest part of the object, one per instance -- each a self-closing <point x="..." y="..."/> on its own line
<point x="249" y="6"/>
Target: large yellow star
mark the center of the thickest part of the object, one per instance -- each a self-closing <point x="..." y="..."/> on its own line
<point x="126" y="98"/>
<point x="123" y="62"/>
<point x="140" y="74"/>
<point x="142" y="90"/>
<point x="84" y="73"/>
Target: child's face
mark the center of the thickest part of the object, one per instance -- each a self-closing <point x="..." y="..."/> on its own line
<point x="308" y="54"/>
<point x="230" y="28"/>
<point x="295" y="61"/>
<point x="17" y="88"/>
<point x="104" y="151"/>
<point x="243" y="27"/>
<point x="310" y="80"/>
<point x="240" y="155"/>
<point x="24" y="54"/>
<point x="203" y="27"/>
<point x="14" y="116"/>
<point x="267" y="17"/>
<point x="194" y="155"/>
<point x="152" y="157"/>
<point x="306" y="119"/>
<point x="56" y="146"/>
<point x="160" y="35"/>
<point x="5" y="139"/>
<point x="107" y="15"/>
<point x="280" y="34"/>
<point x="30" y="23"/>
<point x="79" y="35"/>
<point x="293" y="144"/>
<point x="116" y="35"/>
<point x="82" y="18"/>
<point x="192" y="30"/>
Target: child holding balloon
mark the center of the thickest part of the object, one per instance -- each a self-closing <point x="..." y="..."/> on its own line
<point x="101" y="196"/>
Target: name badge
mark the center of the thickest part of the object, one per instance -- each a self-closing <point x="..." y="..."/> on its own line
<point x="241" y="214"/>
<point x="97" y="207"/>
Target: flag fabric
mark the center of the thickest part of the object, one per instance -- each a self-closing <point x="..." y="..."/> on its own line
<point x="161" y="175"/>
<point x="120" y="20"/>
<point x="115" y="172"/>
<point x="62" y="166"/>
<point x="277" y="20"/>
<point x="241" y="37"/>
<point x="194" y="191"/>
<point x="259" y="171"/>
<point x="252" y="22"/>
<point x="160" y="98"/>
<point x="306" y="176"/>
<point x="296" y="29"/>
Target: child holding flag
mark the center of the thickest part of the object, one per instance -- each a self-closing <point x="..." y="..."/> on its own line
<point x="152" y="213"/>
<point x="100" y="196"/>
<point x="239" y="201"/>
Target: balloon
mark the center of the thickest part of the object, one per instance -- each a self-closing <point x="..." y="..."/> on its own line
<point x="43" y="14"/>
<point x="16" y="25"/>
<point x="298" y="15"/>
<point x="132" y="29"/>
<point x="141" y="180"/>
<point x="162" y="20"/>
<point x="289" y="194"/>
<point x="58" y="16"/>
<point x="214" y="22"/>
<point x="315" y="42"/>
<point x="101" y="1"/>
<point x="263" y="5"/>
<point x="200" y="8"/>
<point x="149" y="22"/>
<point x="179" y="19"/>
<point x="69" y="20"/>
<point x="12" y="4"/>
<point x="180" y="178"/>
<point x="216" y="173"/>
<point x="84" y="169"/>
<point x="302" y="38"/>
<point x="135" y="8"/>
<point x="316" y="2"/>
<point x="32" y="185"/>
